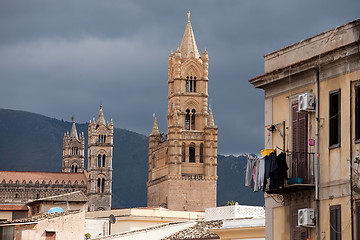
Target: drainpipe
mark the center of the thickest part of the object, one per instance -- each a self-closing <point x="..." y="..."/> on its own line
<point x="317" y="155"/>
<point x="351" y="168"/>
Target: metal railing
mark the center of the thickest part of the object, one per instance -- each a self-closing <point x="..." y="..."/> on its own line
<point x="301" y="168"/>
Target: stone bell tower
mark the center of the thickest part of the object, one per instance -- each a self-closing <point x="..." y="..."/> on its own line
<point x="183" y="164"/>
<point x="100" y="156"/>
<point x="73" y="151"/>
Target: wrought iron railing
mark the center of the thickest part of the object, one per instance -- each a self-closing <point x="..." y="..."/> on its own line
<point x="301" y="168"/>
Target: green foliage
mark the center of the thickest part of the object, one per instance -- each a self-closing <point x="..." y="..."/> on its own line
<point x="87" y="235"/>
<point x="230" y="203"/>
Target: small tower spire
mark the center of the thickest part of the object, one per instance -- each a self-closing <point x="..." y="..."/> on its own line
<point x="101" y="118"/>
<point x="73" y="133"/>
<point x="155" y="130"/>
<point x="211" y="120"/>
<point x="188" y="16"/>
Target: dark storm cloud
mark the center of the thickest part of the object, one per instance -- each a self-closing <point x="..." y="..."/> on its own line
<point x="60" y="58"/>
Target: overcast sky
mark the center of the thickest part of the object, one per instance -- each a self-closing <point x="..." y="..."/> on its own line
<point x="59" y="58"/>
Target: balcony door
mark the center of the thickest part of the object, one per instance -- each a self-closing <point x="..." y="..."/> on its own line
<point x="299" y="163"/>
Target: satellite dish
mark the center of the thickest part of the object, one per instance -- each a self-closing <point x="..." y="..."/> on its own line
<point x="112" y="219"/>
<point x="55" y="210"/>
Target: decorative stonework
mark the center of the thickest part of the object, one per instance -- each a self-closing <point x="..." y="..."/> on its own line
<point x="183" y="164"/>
<point x="100" y="154"/>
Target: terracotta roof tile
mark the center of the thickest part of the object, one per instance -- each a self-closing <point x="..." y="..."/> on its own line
<point x="77" y="196"/>
<point x="200" y="231"/>
<point x="13" y="207"/>
<point x="37" y="218"/>
<point x="42" y="176"/>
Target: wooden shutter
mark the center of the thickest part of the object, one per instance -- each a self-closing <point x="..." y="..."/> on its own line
<point x="299" y="144"/>
<point x="298" y="233"/>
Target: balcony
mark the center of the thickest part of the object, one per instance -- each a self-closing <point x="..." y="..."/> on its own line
<point x="300" y="174"/>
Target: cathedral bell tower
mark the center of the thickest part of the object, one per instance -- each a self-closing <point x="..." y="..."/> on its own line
<point x="100" y="155"/>
<point x="73" y="151"/>
<point x="183" y="164"/>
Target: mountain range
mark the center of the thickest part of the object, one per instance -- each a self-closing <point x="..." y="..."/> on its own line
<point x="33" y="142"/>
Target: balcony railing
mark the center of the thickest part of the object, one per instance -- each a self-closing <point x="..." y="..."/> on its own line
<point x="300" y="173"/>
<point x="301" y="166"/>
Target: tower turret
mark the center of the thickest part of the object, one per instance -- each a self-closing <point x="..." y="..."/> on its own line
<point x="100" y="156"/>
<point x="73" y="150"/>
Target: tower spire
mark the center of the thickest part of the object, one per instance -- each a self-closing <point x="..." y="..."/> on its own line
<point x="101" y="118"/>
<point x="188" y="46"/>
<point x="211" y="122"/>
<point x="73" y="133"/>
<point x="155" y="130"/>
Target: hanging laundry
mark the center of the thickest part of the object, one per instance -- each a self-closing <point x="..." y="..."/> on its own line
<point x="278" y="172"/>
<point x="270" y="167"/>
<point x="255" y="173"/>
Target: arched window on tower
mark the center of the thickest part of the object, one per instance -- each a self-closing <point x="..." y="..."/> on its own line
<point x="99" y="161"/>
<point x="183" y="152"/>
<point x="74" y="168"/>
<point x="74" y="151"/>
<point x="100" y="185"/>
<point x="103" y="185"/>
<point x="192" y="124"/>
<point x="187" y="84"/>
<point x="187" y="120"/>
<point x="192" y="152"/>
<point x="201" y="152"/>
<point x="103" y="161"/>
<point x="190" y="84"/>
<point x="194" y="87"/>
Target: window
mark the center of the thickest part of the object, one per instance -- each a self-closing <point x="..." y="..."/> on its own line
<point x="335" y="222"/>
<point x="192" y="120"/>
<point x="103" y="161"/>
<point x="192" y="152"/>
<point x="357" y="112"/>
<point x="74" y="151"/>
<point x="99" y="161"/>
<point x="183" y="152"/>
<point x="299" y="137"/>
<point x="101" y="185"/>
<point x="201" y="152"/>
<point x="102" y="139"/>
<point x="50" y="235"/>
<point x="298" y="233"/>
<point x="187" y="84"/>
<point x="334" y="119"/>
<point x="74" y="168"/>
<point x="190" y="84"/>
<point x="187" y="120"/>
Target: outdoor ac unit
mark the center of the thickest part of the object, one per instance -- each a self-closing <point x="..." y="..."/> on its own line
<point x="306" y="102"/>
<point x="306" y="217"/>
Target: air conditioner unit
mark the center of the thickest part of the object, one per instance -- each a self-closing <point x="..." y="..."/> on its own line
<point x="306" y="102"/>
<point x="306" y="217"/>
